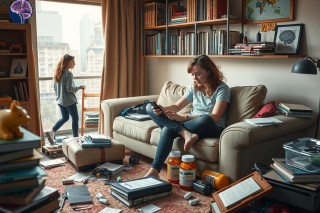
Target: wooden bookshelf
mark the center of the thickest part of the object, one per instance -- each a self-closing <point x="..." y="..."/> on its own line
<point x="16" y="43"/>
<point x="229" y="56"/>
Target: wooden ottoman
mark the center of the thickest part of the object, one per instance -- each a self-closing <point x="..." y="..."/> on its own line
<point x="88" y="158"/>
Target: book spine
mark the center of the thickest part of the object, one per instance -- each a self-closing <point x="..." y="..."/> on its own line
<point x="149" y="198"/>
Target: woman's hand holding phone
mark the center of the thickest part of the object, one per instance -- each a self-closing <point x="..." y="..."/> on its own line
<point x="156" y="108"/>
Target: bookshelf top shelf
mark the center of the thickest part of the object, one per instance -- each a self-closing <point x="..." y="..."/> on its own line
<point x="222" y="21"/>
<point x="229" y="56"/>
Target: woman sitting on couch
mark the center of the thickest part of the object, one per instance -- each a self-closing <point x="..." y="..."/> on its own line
<point x="209" y="96"/>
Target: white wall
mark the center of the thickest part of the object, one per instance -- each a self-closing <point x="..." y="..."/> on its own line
<point x="274" y="73"/>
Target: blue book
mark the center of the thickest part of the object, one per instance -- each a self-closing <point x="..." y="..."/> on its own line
<point x="87" y="143"/>
<point x="291" y="169"/>
<point x="95" y="138"/>
<point x="22" y="174"/>
<point x="28" y="141"/>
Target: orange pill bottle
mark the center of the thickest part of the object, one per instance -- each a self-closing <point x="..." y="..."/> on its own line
<point x="217" y="180"/>
<point x="173" y="163"/>
<point x="187" y="172"/>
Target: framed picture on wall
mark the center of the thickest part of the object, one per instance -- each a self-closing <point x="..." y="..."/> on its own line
<point x="287" y="38"/>
<point x="267" y="11"/>
<point x="18" y="67"/>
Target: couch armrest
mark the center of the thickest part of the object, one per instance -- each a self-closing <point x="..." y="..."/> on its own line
<point x="112" y="108"/>
<point x="242" y="144"/>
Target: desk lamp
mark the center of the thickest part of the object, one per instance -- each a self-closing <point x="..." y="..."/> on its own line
<point x="308" y="66"/>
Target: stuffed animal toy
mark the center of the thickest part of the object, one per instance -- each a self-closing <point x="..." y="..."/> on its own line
<point x="11" y="119"/>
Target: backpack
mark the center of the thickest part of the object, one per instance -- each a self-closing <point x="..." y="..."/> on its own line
<point x="139" y="108"/>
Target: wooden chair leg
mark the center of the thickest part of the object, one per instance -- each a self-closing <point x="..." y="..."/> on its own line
<point x="82" y="112"/>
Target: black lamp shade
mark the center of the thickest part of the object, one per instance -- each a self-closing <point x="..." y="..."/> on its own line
<point x="304" y="66"/>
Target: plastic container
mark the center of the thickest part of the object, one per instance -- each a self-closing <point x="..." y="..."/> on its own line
<point x="217" y="180"/>
<point x="303" y="153"/>
<point x="187" y="172"/>
<point x="173" y="165"/>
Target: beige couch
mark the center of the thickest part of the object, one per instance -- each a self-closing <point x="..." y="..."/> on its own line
<point x="240" y="145"/>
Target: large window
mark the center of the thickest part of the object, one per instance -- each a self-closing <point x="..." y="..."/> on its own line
<point x="74" y="29"/>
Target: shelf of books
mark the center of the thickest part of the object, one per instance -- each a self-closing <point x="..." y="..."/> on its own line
<point x="230" y="56"/>
<point x="17" y="71"/>
<point x="190" y="27"/>
<point x="171" y="28"/>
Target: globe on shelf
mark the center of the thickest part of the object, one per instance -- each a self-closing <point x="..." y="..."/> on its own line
<point x="20" y="11"/>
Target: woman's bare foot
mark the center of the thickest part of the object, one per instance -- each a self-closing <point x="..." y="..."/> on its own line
<point x="189" y="138"/>
<point x="152" y="172"/>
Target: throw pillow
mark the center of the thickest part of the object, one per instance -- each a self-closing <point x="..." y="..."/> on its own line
<point x="245" y="102"/>
<point x="172" y="92"/>
<point x="268" y="110"/>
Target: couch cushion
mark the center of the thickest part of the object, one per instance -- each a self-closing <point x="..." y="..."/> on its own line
<point x="245" y="102"/>
<point x="139" y="130"/>
<point x="172" y="92"/>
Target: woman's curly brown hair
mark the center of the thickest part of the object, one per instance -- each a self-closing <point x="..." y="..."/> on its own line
<point x="215" y="76"/>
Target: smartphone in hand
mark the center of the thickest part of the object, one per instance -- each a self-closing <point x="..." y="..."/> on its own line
<point x="155" y="105"/>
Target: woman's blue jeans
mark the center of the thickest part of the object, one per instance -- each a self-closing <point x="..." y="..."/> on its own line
<point x="65" y="111"/>
<point x="204" y="126"/>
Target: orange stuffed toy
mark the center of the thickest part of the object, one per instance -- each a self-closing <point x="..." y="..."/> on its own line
<point x="11" y="119"/>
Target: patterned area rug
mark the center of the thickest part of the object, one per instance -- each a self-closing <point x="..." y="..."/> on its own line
<point x="172" y="203"/>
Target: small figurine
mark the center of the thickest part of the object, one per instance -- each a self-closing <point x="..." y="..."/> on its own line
<point x="245" y="39"/>
<point x="258" y="36"/>
<point x="11" y="119"/>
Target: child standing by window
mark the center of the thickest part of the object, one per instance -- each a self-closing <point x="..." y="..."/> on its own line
<point x="66" y="99"/>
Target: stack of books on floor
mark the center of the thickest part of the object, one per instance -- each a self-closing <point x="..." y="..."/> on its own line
<point x="91" y="120"/>
<point x="95" y="141"/>
<point x="22" y="186"/>
<point x="295" y="110"/>
<point x="137" y="191"/>
<point x="293" y="174"/>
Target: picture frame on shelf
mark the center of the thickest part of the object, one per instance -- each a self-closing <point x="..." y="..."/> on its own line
<point x="18" y="67"/>
<point x="287" y="39"/>
<point x="265" y="11"/>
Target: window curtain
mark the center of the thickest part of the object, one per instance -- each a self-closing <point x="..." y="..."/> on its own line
<point x="36" y="107"/>
<point x="123" y="73"/>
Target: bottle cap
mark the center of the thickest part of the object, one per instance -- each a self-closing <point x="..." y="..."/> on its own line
<point x="187" y="158"/>
<point x="175" y="154"/>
